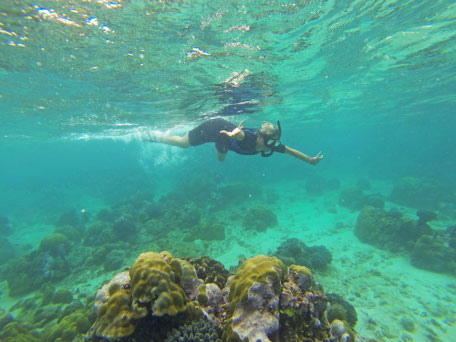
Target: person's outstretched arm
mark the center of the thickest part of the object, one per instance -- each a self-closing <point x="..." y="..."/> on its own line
<point x="236" y="133"/>
<point x="301" y="156"/>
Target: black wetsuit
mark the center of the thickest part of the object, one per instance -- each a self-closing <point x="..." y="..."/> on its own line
<point x="209" y="131"/>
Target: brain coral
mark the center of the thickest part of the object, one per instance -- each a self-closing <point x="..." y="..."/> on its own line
<point x="210" y="270"/>
<point x="254" y="299"/>
<point x="200" y="331"/>
<point x="116" y="319"/>
<point x="153" y="284"/>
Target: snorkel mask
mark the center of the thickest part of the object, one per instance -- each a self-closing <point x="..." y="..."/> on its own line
<point x="271" y="139"/>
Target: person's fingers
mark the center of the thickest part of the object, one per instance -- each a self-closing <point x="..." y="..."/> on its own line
<point x="240" y="125"/>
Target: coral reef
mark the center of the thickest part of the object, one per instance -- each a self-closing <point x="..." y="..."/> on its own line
<point x="422" y="193"/>
<point x="237" y="193"/>
<point x="120" y="280"/>
<point x="56" y="245"/>
<point x="49" y="315"/>
<point x="31" y="271"/>
<point x="72" y="218"/>
<point x="200" y="331"/>
<point x="343" y="332"/>
<point x="259" y="219"/>
<point x="435" y="252"/>
<point x="6" y="250"/>
<point x="116" y="319"/>
<point x="62" y="296"/>
<point x="162" y="299"/>
<point x="67" y="329"/>
<point x="317" y="185"/>
<point x="254" y="299"/>
<point x="72" y="233"/>
<point x="5" y="227"/>
<point x="5" y="318"/>
<point x="153" y="285"/>
<point x="430" y="249"/>
<point x="341" y="309"/>
<point x="387" y="230"/>
<point x="355" y="199"/>
<point x="18" y="332"/>
<point x="293" y="251"/>
<point x="153" y="288"/>
<point x="425" y="216"/>
<point x="302" y="315"/>
<point x="124" y="228"/>
<point x="210" y="270"/>
<point x="207" y="231"/>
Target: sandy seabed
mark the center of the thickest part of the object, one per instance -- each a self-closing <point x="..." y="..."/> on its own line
<point x="395" y="301"/>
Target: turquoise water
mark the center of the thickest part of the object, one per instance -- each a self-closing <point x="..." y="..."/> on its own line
<point x="371" y="84"/>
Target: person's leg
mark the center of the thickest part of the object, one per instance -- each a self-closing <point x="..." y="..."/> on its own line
<point x="173" y="140"/>
<point x="221" y="156"/>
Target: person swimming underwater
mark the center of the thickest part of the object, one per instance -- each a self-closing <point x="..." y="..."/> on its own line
<point x="229" y="137"/>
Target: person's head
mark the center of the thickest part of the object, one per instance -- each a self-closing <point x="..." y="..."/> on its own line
<point x="270" y="133"/>
<point x="268" y="130"/>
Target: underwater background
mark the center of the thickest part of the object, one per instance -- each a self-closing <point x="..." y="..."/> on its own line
<point x="371" y="84"/>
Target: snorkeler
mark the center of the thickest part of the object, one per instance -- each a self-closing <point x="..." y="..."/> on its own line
<point x="229" y="137"/>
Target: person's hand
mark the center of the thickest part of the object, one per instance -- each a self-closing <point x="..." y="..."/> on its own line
<point x="234" y="132"/>
<point x="315" y="160"/>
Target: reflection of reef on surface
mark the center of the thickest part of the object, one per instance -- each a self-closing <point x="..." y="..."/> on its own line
<point x="243" y="92"/>
<point x="161" y="298"/>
